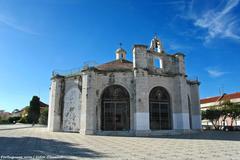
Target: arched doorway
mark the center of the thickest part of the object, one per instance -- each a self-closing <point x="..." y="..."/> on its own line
<point x="159" y="109"/>
<point x="115" y="110"/>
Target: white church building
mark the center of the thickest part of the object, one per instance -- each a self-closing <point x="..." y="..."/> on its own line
<point x="149" y="96"/>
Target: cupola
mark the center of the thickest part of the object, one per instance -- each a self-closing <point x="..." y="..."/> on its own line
<point x="120" y="54"/>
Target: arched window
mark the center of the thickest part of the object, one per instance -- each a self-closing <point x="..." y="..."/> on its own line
<point x="115" y="112"/>
<point x="159" y="109"/>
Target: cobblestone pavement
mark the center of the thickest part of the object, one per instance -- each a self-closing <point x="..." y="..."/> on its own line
<point x="23" y="141"/>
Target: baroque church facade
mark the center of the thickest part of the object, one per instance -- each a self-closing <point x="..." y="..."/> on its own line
<point x="149" y="96"/>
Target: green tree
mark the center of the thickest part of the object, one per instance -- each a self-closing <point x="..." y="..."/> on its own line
<point x="34" y="110"/>
<point x="225" y="106"/>
<point x="43" y="119"/>
<point x="13" y="119"/>
<point x="203" y="113"/>
<point x="23" y="120"/>
<point x="213" y="115"/>
<point x="232" y="111"/>
<point x="229" y="109"/>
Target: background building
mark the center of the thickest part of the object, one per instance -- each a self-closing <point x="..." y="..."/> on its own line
<point x="206" y="103"/>
<point x="4" y="115"/>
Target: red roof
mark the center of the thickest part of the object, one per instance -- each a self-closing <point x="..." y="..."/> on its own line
<point x="43" y="105"/>
<point x="218" y="98"/>
<point x="117" y="65"/>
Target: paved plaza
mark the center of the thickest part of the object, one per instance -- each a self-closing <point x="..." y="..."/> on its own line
<point x="24" y="141"/>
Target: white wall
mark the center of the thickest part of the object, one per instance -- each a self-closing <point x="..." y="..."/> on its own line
<point x="72" y="106"/>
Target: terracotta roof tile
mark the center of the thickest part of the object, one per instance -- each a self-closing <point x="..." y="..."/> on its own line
<point x="117" y="65"/>
<point x="42" y="104"/>
<point x="231" y="96"/>
<point x="209" y="100"/>
<point x="217" y="98"/>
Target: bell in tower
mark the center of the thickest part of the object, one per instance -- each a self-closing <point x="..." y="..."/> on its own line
<point x="156" y="45"/>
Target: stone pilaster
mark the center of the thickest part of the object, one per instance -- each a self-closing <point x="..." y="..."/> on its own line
<point x="181" y="113"/>
<point x="195" y="104"/>
<point x="55" y="104"/>
<point x="141" y="116"/>
<point x="88" y="110"/>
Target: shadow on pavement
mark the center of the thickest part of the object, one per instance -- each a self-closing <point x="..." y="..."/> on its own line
<point x="207" y="135"/>
<point x="16" y="126"/>
<point x="39" y="148"/>
<point x="204" y="135"/>
<point x="2" y="129"/>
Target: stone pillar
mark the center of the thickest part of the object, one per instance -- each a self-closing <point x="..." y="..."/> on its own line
<point x="181" y="111"/>
<point x="195" y="104"/>
<point x="141" y="116"/>
<point x="140" y="56"/>
<point x="55" y="104"/>
<point x="181" y="63"/>
<point x="88" y="110"/>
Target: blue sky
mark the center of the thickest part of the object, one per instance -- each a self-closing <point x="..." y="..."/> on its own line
<point x="37" y="37"/>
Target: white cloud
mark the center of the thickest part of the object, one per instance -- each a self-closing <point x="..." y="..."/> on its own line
<point x="214" y="72"/>
<point x="12" y="24"/>
<point x="218" y="22"/>
<point x="176" y="46"/>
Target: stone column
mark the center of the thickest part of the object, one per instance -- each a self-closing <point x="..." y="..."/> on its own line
<point x="195" y="104"/>
<point x="141" y="116"/>
<point x="181" y="112"/>
<point x="140" y="56"/>
<point x="55" y="104"/>
<point x="181" y="63"/>
<point x="88" y="110"/>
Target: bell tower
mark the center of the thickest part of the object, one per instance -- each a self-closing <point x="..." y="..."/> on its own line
<point x="120" y="53"/>
<point x="156" y="45"/>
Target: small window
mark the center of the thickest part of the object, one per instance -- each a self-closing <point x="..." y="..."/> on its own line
<point x="157" y="63"/>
